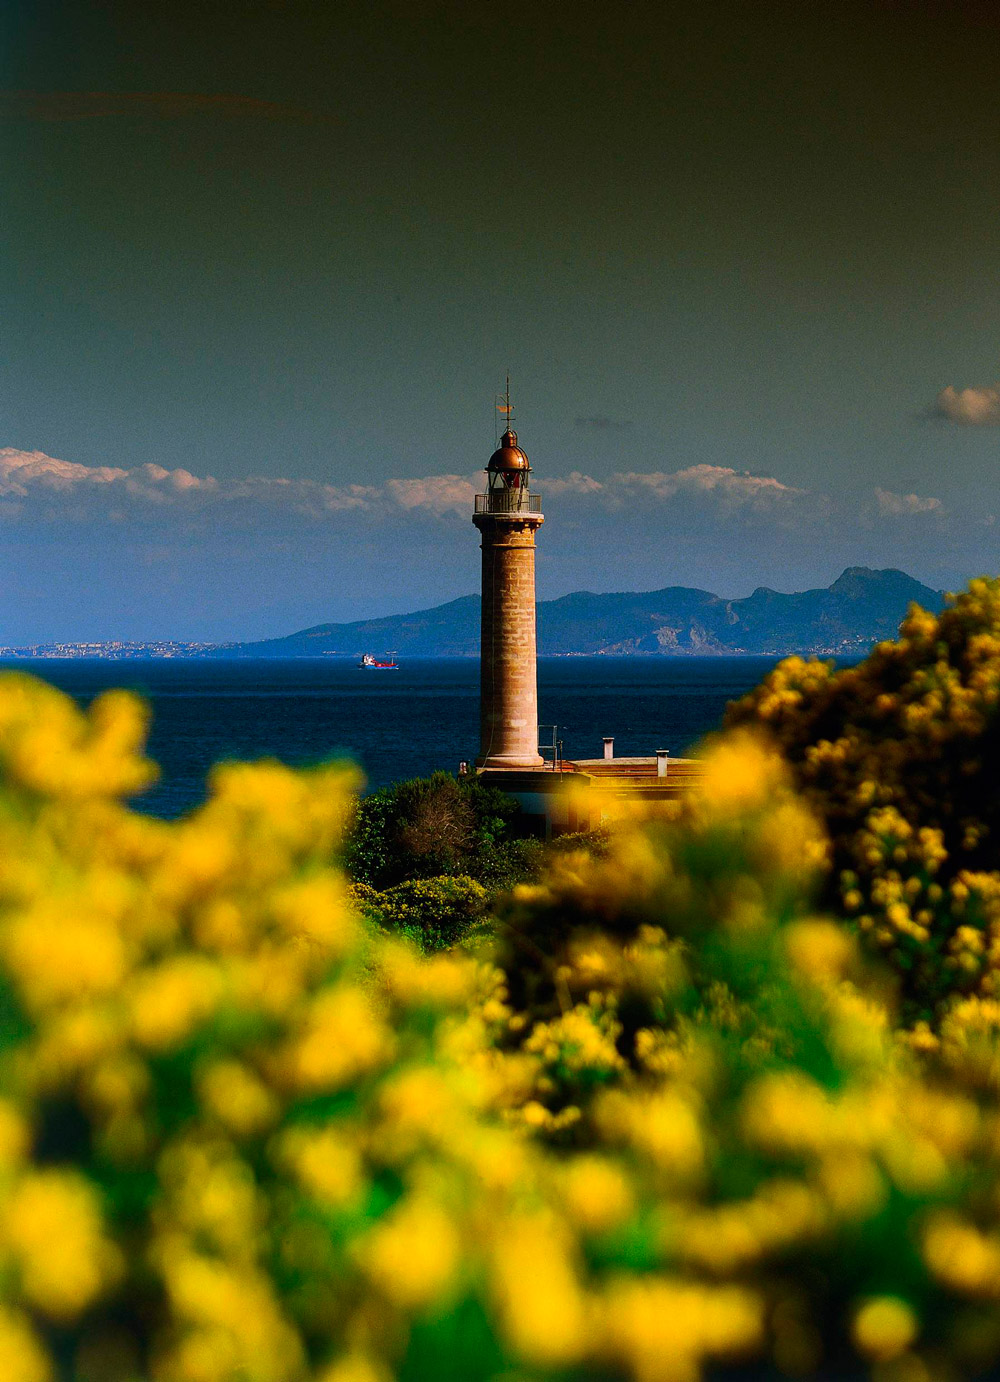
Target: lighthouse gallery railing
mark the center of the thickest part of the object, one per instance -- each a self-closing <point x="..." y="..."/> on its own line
<point x="508" y="501"/>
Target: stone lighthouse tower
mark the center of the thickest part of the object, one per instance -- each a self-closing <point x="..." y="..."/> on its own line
<point x="507" y="516"/>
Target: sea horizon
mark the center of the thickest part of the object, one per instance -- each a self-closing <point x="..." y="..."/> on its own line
<point x="396" y="725"/>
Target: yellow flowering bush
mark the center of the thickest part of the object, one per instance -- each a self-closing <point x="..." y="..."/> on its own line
<point x="898" y="757"/>
<point x="434" y="913"/>
<point x="245" y="1137"/>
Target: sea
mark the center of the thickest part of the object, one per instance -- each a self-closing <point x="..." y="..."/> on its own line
<point x="395" y="724"/>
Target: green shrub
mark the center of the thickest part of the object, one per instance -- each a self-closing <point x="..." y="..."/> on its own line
<point x="433" y="913"/>
<point x="429" y="827"/>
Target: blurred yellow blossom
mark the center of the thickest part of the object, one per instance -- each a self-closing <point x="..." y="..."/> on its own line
<point x="884" y="1327"/>
<point x="740" y="775"/>
<point x="341" y="1038"/>
<point x="22" y="1357"/>
<point x="598" y="1194"/>
<point x="413" y="1254"/>
<point x="650" y="1132"/>
<point x="51" y="1226"/>
<point x="170" y="999"/>
<point x="237" y="1097"/>
<point x="538" y="1292"/>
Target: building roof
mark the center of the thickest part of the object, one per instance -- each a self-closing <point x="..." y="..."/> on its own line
<point x="630" y="774"/>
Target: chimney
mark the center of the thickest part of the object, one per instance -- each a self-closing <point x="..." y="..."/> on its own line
<point x="662" y="759"/>
<point x="609" y="747"/>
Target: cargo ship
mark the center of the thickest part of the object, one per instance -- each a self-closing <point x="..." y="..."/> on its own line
<point x="369" y="660"/>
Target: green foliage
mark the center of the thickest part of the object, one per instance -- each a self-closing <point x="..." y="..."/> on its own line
<point x="426" y="857"/>
<point x="426" y="828"/>
<point x="440" y="825"/>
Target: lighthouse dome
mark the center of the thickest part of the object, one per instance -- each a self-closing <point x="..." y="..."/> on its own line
<point x="508" y="455"/>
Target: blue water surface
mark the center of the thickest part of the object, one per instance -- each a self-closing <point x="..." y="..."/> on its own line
<point x="395" y="724"/>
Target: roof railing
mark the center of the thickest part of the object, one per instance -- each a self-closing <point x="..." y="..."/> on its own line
<point x="508" y="501"/>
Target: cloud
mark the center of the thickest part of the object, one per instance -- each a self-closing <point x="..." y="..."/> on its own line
<point x="434" y="492"/>
<point x="21" y="471"/>
<point x="899" y="505"/>
<point x="970" y="407"/>
<point x="734" y="487"/>
<point x="146" y="550"/>
<point x="573" y="483"/>
<point x="34" y="478"/>
<point x="24" y="472"/>
<point x="604" y="424"/>
<point x="705" y="484"/>
<point x="169" y="105"/>
<point x="311" y="498"/>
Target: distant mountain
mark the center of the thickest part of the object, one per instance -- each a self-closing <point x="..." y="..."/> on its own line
<point x="859" y="609"/>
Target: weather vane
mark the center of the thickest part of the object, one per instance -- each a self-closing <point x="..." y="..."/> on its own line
<point x="505" y="408"/>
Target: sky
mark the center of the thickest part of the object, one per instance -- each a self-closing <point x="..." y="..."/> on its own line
<point x="263" y="268"/>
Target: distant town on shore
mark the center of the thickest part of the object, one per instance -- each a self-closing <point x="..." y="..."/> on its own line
<point x="861" y="607"/>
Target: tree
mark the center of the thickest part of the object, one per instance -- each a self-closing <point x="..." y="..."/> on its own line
<point x="437" y="826"/>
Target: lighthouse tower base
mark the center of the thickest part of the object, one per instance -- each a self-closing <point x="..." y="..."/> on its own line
<point x="497" y="763"/>
<point x="508" y="738"/>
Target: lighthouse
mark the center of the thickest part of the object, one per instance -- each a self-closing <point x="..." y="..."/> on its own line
<point x="557" y="795"/>
<point x="507" y="515"/>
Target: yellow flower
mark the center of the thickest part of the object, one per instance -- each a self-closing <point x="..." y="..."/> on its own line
<point x="57" y="954"/>
<point x="819" y="949"/>
<point x="598" y="1194"/>
<point x="52" y="1226"/>
<point x="169" y="1001"/>
<point x="441" y="981"/>
<point x="582" y="1039"/>
<point x="342" y="1037"/>
<point x="22" y="1358"/>
<point x="852" y="1183"/>
<point x="116" y="1084"/>
<point x="14" y="1138"/>
<point x="76" y="1039"/>
<point x="325" y="1163"/>
<point x="315" y="910"/>
<point x="239" y="1328"/>
<point x="413" y="1254"/>
<point x="884" y="1327"/>
<point x="201" y="855"/>
<point x="50" y="747"/>
<point x="355" y="1367"/>
<point x="740" y="775"/>
<point x="235" y="1095"/>
<point x="965" y="1259"/>
<point x="664" y="1330"/>
<point x="543" y="1310"/>
<point x="213" y="1194"/>
<point x="418" y="1105"/>
<point x="664" y="1127"/>
<point x="786" y="1112"/>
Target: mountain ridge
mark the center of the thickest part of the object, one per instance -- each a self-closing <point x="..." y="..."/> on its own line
<point x="861" y="607"/>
